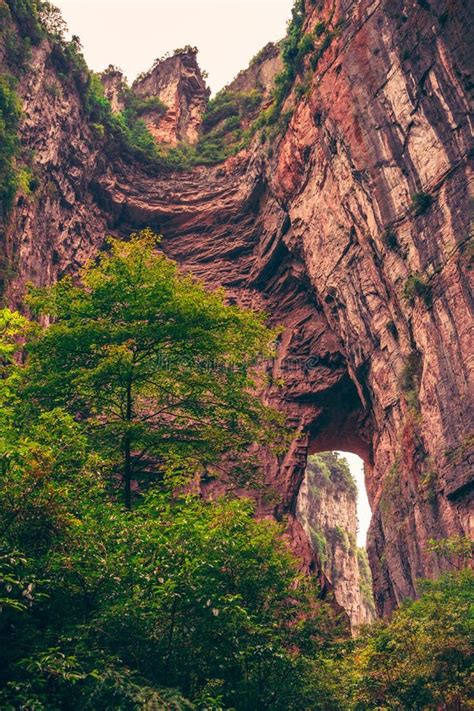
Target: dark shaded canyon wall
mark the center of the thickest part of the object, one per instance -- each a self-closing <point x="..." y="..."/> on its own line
<point x="321" y="232"/>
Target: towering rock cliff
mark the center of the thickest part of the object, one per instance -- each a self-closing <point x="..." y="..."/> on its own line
<point x="345" y="215"/>
<point x="177" y="83"/>
<point x="326" y="508"/>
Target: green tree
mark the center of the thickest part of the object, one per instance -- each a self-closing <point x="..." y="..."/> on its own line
<point x="127" y="606"/>
<point x="156" y="368"/>
<point x="179" y="603"/>
<point x="422" y="658"/>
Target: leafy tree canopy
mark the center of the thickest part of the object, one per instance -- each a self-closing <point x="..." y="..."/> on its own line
<point x="140" y="376"/>
<point x="157" y="369"/>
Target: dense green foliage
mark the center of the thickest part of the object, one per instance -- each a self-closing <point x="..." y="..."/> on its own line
<point x="119" y="607"/>
<point x="153" y="363"/>
<point x="223" y="131"/>
<point x="27" y="16"/>
<point x="331" y="467"/>
<point x="178" y="603"/>
<point x="422" y="658"/>
<point x="9" y="117"/>
<point x="230" y="103"/>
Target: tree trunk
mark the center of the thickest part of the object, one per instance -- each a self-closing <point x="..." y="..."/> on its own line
<point x="127" y="450"/>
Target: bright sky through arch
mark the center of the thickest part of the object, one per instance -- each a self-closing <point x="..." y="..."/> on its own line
<point x="364" y="513"/>
<point x="132" y="33"/>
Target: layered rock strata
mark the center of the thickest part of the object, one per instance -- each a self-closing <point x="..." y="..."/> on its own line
<point x="351" y="229"/>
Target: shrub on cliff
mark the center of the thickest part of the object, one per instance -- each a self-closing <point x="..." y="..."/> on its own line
<point x="27" y="16"/>
<point x="137" y="105"/>
<point x="330" y="467"/>
<point x="421" y="203"/>
<point x="230" y="103"/>
<point x="9" y="117"/>
<point x="417" y="286"/>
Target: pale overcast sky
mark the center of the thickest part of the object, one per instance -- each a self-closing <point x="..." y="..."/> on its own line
<point x="228" y="33"/>
<point x="132" y="33"/>
<point x="363" y="509"/>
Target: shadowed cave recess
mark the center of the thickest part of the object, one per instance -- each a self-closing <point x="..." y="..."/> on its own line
<point x="313" y="219"/>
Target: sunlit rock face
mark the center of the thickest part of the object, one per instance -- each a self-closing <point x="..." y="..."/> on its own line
<point x="178" y="83"/>
<point x="114" y="84"/>
<point x="318" y="227"/>
<point x="326" y="508"/>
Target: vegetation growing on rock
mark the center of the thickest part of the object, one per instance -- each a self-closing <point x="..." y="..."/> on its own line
<point x="416" y="286"/>
<point x="85" y="618"/>
<point x="330" y="466"/>
<point x="178" y="598"/>
<point x="9" y="117"/>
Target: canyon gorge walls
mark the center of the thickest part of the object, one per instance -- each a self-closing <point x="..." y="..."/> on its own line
<point x="347" y="219"/>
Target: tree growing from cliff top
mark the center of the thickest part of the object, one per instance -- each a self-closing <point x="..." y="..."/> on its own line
<point x="156" y="367"/>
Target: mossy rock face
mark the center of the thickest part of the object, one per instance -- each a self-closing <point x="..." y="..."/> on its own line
<point x="417" y="287"/>
<point x="329" y="467"/>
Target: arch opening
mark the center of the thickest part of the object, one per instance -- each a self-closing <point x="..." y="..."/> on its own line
<point x="334" y="512"/>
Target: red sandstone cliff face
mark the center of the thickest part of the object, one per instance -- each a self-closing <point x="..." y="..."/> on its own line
<point x="322" y="233"/>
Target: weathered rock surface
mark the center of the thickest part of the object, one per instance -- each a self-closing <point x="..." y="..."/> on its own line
<point x="177" y="81"/>
<point x="326" y="508"/>
<point x="113" y="82"/>
<point x="261" y="72"/>
<point x="321" y="232"/>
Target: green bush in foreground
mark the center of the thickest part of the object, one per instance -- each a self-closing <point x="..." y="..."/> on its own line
<point x="112" y="609"/>
<point x="423" y="658"/>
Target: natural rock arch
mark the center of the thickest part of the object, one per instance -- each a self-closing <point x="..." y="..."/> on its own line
<point x="301" y="232"/>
